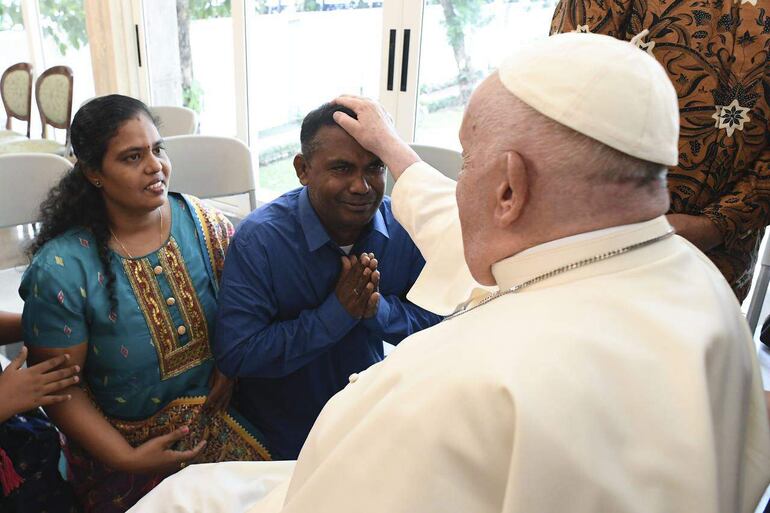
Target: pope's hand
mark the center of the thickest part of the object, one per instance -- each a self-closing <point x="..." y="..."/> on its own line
<point x="374" y="130"/>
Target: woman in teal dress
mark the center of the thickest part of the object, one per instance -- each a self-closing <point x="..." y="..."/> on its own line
<point x="124" y="279"/>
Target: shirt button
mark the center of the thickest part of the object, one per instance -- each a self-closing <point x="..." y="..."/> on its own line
<point x="158" y="269"/>
<point x="181" y="330"/>
<point x="170" y="301"/>
<point x="353" y="377"/>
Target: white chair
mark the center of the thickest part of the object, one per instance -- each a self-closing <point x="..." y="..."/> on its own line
<point x="211" y="167"/>
<point x="175" y="120"/>
<point x="25" y="179"/>
<point x="449" y="162"/>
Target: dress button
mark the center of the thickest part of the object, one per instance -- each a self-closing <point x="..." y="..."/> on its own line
<point x="353" y="377"/>
<point x="181" y="330"/>
<point x="158" y="269"/>
<point x="170" y="301"/>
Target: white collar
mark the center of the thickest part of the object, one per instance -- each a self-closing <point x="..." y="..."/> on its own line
<point x="551" y="255"/>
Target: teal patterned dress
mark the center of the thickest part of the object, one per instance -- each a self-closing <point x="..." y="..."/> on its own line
<point x="149" y="359"/>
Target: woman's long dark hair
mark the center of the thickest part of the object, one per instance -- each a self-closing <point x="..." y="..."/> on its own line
<point x="76" y="202"/>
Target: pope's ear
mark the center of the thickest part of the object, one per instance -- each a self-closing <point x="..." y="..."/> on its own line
<point x="300" y="167"/>
<point x="511" y="191"/>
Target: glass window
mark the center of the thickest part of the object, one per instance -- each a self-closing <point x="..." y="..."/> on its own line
<point x="462" y="42"/>
<point x="301" y="54"/>
<point x="192" y="64"/>
<point x="65" y="43"/>
<point x="13" y="38"/>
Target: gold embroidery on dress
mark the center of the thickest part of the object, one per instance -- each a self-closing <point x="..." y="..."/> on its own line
<point x="173" y="357"/>
<point x="226" y="439"/>
<point x="216" y="235"/>
<point x="187" y="300"/>
<point x="207" y="229"/>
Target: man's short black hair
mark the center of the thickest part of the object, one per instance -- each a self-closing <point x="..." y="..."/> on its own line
<point x="322" y="116"/>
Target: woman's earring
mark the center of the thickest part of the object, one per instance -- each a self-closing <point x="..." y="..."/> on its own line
<point x="97" y="183"/>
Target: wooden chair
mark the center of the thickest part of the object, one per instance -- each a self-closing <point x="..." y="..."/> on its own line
<point x="53" y="95"/>
<point x="16" y="92"/>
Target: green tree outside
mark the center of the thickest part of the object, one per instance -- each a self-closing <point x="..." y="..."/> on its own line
<point x="10" y="16"/>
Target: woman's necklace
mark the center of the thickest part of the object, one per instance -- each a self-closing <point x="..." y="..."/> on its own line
<point x="125" y="251"/>
<point x="560" y="270"/>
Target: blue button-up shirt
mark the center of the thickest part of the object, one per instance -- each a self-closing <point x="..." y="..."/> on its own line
<point x="281" y="328"/>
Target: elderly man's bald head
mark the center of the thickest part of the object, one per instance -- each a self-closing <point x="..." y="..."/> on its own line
<point x="548" y="146"/>
<point x="528" y="179"/>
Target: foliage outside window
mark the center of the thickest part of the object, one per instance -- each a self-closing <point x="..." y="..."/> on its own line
<point x="10" y="16"/>
<point x="64" y="21"/>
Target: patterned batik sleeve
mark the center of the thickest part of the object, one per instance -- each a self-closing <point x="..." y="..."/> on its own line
<point x="746" y="207"/>
<point x="595" y="16"/>
<point x="54" y="303"/>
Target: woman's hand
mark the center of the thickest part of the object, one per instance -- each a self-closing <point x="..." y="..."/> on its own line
<point x="156" y="454"/>
<point x="24" y="389"/>
<point x="220" y="393"/>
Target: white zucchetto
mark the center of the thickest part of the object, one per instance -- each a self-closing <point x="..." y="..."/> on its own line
<point x="604" y="88"/>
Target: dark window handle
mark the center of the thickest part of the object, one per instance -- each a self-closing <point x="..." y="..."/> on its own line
<point x="391" y="58"/>
<point x="138" y="46"/>
<point x="405" y="59"/>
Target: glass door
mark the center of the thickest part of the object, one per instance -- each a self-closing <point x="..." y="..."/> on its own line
<point x="301" y="54"/>
<point x="13" y="37"/>
<point x="65" y="42"/>
<point x="463" y="41"/>
<point x="190" y="59"/>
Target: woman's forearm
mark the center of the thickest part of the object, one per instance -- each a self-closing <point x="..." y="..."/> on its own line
<point x="79" y="419"/>
<point x="10" y="328"/>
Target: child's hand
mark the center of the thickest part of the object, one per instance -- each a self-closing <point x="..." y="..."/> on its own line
<point x="23" y="389"/>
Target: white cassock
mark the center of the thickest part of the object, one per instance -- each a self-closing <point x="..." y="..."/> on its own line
<point x="626" y="385"/>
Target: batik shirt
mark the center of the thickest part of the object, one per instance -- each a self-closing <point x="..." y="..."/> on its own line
<point x="716" y="54"/>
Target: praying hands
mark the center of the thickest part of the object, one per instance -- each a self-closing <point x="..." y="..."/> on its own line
<point x="358" y="286"/>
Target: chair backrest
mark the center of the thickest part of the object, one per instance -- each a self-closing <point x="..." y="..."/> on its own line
<point x="211" y="167"/>
<point x="25" y="179"/>
<point x="16" y="92"/>
<point x="175" y="120"/>
<point x="449" y="162"/>
<point x="53" y="95"/>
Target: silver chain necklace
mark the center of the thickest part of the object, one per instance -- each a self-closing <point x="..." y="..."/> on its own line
<point x="560" y="270"/>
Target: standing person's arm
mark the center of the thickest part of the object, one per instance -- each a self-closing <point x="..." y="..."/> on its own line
<point x="250" y="339"/>
<point x="744" y="209"/>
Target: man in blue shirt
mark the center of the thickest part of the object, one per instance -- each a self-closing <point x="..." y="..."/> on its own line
<point x="297" y="314"/>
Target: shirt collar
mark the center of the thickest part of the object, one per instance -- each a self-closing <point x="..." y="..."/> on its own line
<point x="315" y="233"/>
<point x="552" y="255"/>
